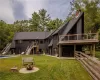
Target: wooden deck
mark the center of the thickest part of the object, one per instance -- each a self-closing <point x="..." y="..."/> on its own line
<point x="79" y="42"/>
<point x="79" y="39"/>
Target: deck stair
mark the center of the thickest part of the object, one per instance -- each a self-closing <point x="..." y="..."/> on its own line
<point x="91" y="64"/>
<point x="6" y="49"/>
<point x="29" y="48"/>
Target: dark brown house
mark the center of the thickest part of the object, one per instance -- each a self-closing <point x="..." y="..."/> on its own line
<point x="64" y="41"/>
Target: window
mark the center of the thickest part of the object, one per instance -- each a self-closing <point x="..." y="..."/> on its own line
<point x="41" y="42"/>
<point x="16" y="41"/>
<point x="19" y="41"/>
<point x="30" y="41"/>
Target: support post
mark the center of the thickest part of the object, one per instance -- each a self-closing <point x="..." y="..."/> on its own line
<point x="74" y="49"/>
<point x="60" y="51"/>
<point x="93" y="50"/>
<point x="33" y="50"/>
<point x="77" y="36"/>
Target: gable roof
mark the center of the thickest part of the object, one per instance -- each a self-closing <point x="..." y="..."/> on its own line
<point x="72" y="23"/>
<point x="50" y="34"/>
<point x="30" y="35"/>
<point x="61" y="27"/>
<point x="68" y="25"/>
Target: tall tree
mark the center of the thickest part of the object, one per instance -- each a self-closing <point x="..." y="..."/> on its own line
<point x="54" y="24"/>
<point x="21" y="26"/>
<point x="39" y="20"/>
<point x="34" y="22"/>
<point x="44" y="19"/>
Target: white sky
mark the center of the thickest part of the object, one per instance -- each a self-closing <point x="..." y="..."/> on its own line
<point x="11" y="10"/>
<point x="6" y="11"/>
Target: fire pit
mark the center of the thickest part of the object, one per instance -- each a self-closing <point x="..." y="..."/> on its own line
<point x="25" y="70"/>
<point x="29" y="67"/>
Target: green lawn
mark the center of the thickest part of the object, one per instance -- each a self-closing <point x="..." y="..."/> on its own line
<point x="98" y="54"/>
<point x="50" y="69"/>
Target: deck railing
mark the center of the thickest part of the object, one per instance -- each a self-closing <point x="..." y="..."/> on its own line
<point x="88" y="36"/>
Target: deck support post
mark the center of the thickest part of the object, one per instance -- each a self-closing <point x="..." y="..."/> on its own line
<point x="60" y="51"/>
<point x="93" y="50"/>
<point x="32" y="50"/>
<point x="74" y="49"/>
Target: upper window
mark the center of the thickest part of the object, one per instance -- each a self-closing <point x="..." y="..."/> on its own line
<point x="41" y="42"/>
<point x="19" y="41"/>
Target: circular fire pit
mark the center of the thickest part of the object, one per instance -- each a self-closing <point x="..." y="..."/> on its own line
<point x="25" y="71"/>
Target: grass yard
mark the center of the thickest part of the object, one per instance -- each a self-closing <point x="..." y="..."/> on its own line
<point x="50" y="69"/>
<point x="98" y="54"/>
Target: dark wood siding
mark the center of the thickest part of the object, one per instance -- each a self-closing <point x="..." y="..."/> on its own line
<point x="21" y="47"/>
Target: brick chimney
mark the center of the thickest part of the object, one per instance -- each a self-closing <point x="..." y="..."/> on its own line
<point x="77" y="13"/>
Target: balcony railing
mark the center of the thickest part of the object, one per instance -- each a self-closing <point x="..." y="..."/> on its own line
<point x="76" y="37"/>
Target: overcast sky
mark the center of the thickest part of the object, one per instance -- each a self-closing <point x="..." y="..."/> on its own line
<point x="12" y="10"/>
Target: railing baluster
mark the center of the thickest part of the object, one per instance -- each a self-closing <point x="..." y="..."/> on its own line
<point x="68" y="37"/>
<point x="77" y="36"/>
<point x="97" y="35"/>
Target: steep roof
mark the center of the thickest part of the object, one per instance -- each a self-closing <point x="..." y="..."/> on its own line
<point x="50" y="34"/>
<point x="61" y="27"/>
<point x="57" y="30"/>
<point x="72" y="23"/>
<point x="30" y="35"/>
<point x="68" y="25"/>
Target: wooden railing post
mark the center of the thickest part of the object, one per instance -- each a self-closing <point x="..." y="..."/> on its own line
<point x="59" y="37"/>
<point x="74" y="50"/>
<point x="60" y="51"/>
<point x="93" y="50"/>
<point x="68" y="37"/>
<point x="77" y="36"/>
<point x="97" y="36"/>
<point x="87" y="36"/>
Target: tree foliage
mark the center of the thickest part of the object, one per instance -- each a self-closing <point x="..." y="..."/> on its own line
<point x="39" y="20"/>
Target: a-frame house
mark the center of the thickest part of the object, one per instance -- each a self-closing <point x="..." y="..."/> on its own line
<point x="63" y="42"/>
<point x="70" y="37"/>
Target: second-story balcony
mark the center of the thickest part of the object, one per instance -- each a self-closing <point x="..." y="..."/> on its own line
<point x="78" y="38"/>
